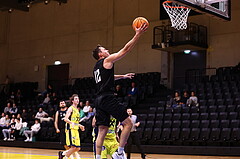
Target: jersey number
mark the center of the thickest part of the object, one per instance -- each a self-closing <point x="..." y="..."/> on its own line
<point x="97" y="76"/>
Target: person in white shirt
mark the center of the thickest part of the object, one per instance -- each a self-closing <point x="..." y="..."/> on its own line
<point x="5" y="121"/>
<point x="87" y="107"/>
<point x="13" y="131"/>
<point x="42" y="115"/>
<point x="2" y="119"/>
<point x="193" y="100"/>
<point x="34" y="130"/>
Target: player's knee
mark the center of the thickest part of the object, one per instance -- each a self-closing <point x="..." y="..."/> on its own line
<point x="78" y="148"/>
<point x="127" y="123"/>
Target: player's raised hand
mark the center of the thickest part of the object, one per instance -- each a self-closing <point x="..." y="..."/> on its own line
<point x="129" y="75"/>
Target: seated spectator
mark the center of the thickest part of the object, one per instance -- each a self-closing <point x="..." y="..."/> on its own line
<point x="184" y="98"/>
<point x="176" y="100"/>
<point x="19" y="117"/>
<point x="46" y="99"/>
<point x="54" y="100"/>
<point x="118" y="93"/>
<point x="12" y="97"/>
<point x="7" y="108"/>
<point x="88" y="116"/>
<point x="132" y="94"/>
<point x="12" y="132"/>
<point x="5" y="121"/>
<point x="193" y="100"/>
<point x="14" y="109"/>
<point x="2" y="122"/>
<point x="19" y="97"/>
<point x="34" y="130"/>
<point x="18" y="126"/>
<point x="8" y="130"/>
<point x="2" y="119"/>
<point x="86" y="107"/>
<point x="24" y="115"/>
<point x="82" y="114"/>
<point x="42" y="115"/>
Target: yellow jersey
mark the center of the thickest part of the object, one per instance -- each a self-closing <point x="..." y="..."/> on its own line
<point x="74" y="118"/>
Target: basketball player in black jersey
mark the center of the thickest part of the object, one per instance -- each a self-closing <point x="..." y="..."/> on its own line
<point x="106" y="103"/>
<point x="59" y="124"/>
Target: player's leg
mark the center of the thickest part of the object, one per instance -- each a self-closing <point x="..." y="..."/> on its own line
<point x="127" y="126"/>
<point x="138" y="144"/>
<point x="119" y="112"/>
<point x="102" y="131"/>
<point x="129" y="146"/>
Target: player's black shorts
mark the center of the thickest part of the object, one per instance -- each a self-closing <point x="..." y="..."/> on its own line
<point x="62" y="137"/>
<point x="107" y="105"/>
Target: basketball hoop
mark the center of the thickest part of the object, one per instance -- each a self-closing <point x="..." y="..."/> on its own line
<point x="178" y="14"/>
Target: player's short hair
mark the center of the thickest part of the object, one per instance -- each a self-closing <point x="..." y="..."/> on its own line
<point x="96" y="51"/>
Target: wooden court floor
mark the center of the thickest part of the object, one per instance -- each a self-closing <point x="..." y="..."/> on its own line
<point x="27" y="153"/>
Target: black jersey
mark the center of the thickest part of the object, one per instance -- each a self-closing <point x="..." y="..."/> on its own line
<point x="61" y="116"/>
<point x="104" y="78"/>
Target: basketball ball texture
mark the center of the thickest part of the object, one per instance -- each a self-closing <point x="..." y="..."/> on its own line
<point x="139" y="21"/>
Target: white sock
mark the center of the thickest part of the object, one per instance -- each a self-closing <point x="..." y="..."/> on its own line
<point x="77" y="155"/>
<point x="65" y="157"/>
<point x="120" y="150"/>
<point x="64" y="152"/>
<point x="71" y="156"/>
<point x="98" y="156"/>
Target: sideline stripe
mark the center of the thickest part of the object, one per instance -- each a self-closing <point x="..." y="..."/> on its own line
<point x="1" y="152"/>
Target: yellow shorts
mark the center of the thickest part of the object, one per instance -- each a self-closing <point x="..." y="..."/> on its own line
<point x="109" y="147"/>
<point x="72" y="138"/>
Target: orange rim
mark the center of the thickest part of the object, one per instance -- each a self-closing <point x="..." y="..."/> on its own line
<point x="164" y="3"/>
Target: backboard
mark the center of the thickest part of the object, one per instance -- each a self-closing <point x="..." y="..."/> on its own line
<point x="217" y="8"/>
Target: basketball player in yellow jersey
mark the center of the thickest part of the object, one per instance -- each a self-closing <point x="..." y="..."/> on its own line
<point x="110" y="144"/>
<point x="72" y="119"/>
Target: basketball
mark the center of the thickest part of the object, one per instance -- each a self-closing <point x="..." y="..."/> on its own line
<point x="139" y="21"/>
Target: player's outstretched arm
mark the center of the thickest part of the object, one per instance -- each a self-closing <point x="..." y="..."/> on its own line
<point x="128" y="47"/>
<point x="128" y="75"/>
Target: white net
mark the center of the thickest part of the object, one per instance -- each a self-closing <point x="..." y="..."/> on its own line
<point x="178" y="14"/>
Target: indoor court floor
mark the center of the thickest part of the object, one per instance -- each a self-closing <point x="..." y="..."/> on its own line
<point x="27" y="153"/>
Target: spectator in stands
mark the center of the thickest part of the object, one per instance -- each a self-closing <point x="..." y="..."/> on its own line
<point x="184" y="98"/>
<point x="118" y="93"/>
<point x="49" y="90"/>
<point x="14" y="109"/>
<point x="54" y="100"/>
<point x="5" y="121"/>
<point x="42" y="115"/>
<point x="7" y="108"/>
<point x="24" y="115"/>
<point x="19" y="97"/>
<point x="19" y="117"/>
<point x="89" y="115"/>
<point x="80" y="108"/>
<point x="12" y="97"/>
<point x="176" y="100"/>
<point x="18" y="126"/>
<point x="8" y="130"/>
<point x="12" y="132"/>
<point x="134" y="136"/>
<point x="34" y="130"/>
<point x="193" y="100"/>
<point x="87" y="107"/>
<point x="46" y="99"/>
<point x="2" y="122"/>
<point x="2" y="119"/>
<point x="132" y="95"/>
